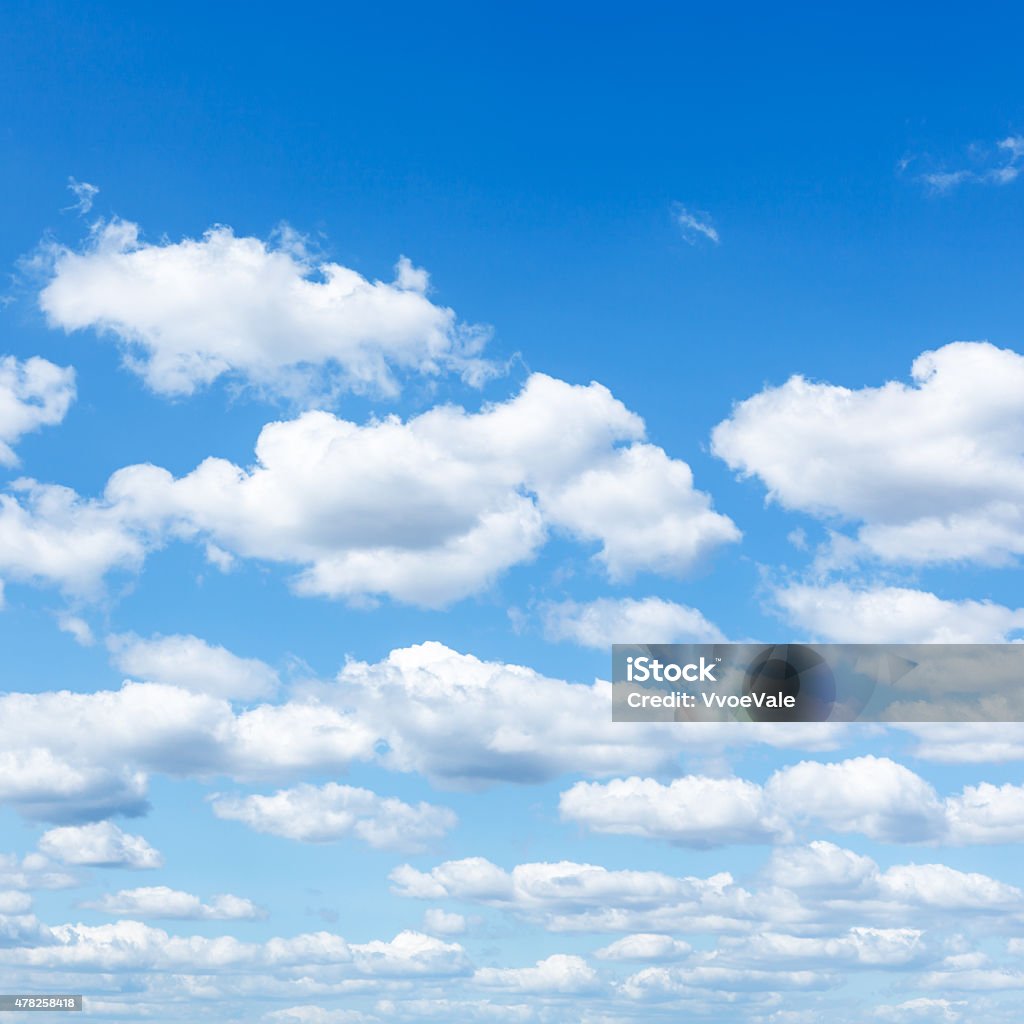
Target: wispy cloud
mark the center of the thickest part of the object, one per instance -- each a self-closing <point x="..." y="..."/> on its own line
<point x="694" y="224"/>
<point x="84" y="193"/>
<point x="998" y="164"/>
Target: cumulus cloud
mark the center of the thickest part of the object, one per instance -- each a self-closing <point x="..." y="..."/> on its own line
<point x="34" y="393"/>
<point x="841" y="613"/>
<point x="692" y="811"/>
<point x="265" y="313"/>
<point x="101" y="844"/>
<point x="924" y="1009"/>
<point x="645" y="947"/>
<point x="50" y="535"/>
<point x="466" y="722"/>
<point x="605" y="621"/>
<point x="192" y="664"/>
<point x="136" y="946"/>
<point x="440" y="922"/>
<point x="110" y="741"/>
<point x="873" y="796"/>
<point x="332" y="812"/>
<point x="560" y="974"/>
<point x="426" y="511"/>
<point x="158" y="901"/>
<point x="933" y="471"/>
<point x="435" y="508"/>
<point x="568" y="896"/>
<point x="460" y="721"/>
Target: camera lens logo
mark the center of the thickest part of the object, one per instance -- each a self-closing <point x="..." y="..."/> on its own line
<point x="791" y="670"/>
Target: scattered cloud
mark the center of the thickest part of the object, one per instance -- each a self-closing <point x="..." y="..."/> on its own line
<point x="84" y="193"/>
<point x="873" y="796"/>
<point x="331" y="812"/>
<point x="158" y="901"/>
<point x="605" y="621"/>
<point x="101" y="844"/>
<point x="427" y="511"/>
<point x="841" y="613"/>
<point x="192" y="664"/>
<point x="694" y="225"/>
<point x="34" y="393"/>
<point x="932" y="471"/>
<point x="263" y="313"/>
<point x="998" y="164"/>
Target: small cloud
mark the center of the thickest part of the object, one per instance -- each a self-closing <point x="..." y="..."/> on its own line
<point x="77" y="628"/>
<point x="998" y="164"/>
<point x="694" y="224"/>
<point x="84" y="194"/>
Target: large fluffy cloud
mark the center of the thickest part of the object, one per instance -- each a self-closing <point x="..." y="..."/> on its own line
<point x="427" y="511"/>
<point x="434" y="508"/>
<point x="932" y="470"/>
<point x="33" y="394"/>
<point x="188" y="312"/>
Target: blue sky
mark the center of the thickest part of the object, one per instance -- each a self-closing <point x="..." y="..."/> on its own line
<point x="553" y="329"/>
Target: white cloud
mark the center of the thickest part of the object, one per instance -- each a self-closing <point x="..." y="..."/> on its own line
<point x="559" y="973"/>
<point x="987" y="814"/>
<point x="694" y="224"/>
<point x="109" y="741"/>
<point x="840" y="613"/>
<point x="646" y="947"/>
<point x="84" y="193"/>
<point x="33" y="871"/>
<point x="14" y="902"/>
<point x="427" y="511"/>
<point x="136" y="946"/>
<point x="867" y="947"/>
<point x="51" y="535"/>
<point x="871" y="795"/>
<point x="189" y="312"/>
<point x="467" y="722"/>
<point x="435" y="508"/>
<point x="874" y="796"/>
<point x="76" y="627"/>
<point x="933" y="470"/>
<point x="409" y="954"/>
<point x="101" y="844"/>
<point x="1000" y="164"/>
<point x="158" y="901"/>
<point x="605" y="621"/>
<point x="440" y="922"/>
<point x="463" y="722"/>
<point x="692" y="811"/>
<point x="316" y="1015"/>
<point x="567" y="896"/>
<point x="34" y="393"/>
<point x="192" y="664"/>
<point x="922" y="1009"/>
<point x="331" y="812"/>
